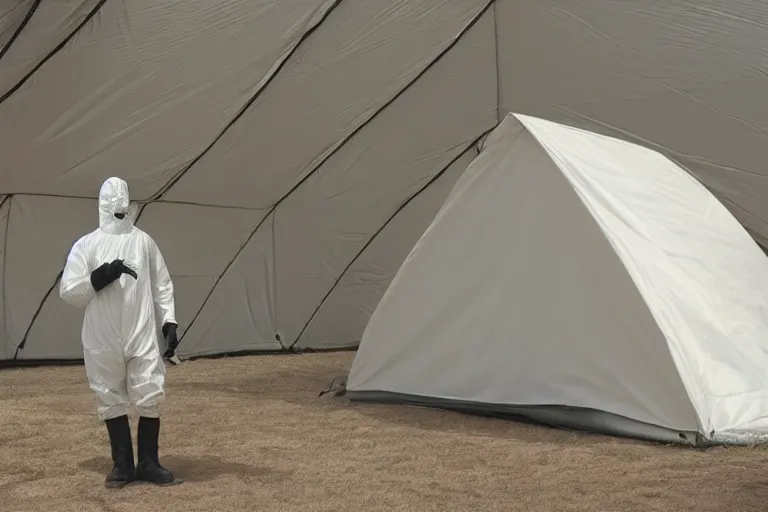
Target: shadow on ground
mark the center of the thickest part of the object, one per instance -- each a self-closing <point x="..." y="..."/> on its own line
<point x="252" y="434"/>
<point x="199" y="469"/>
<point x="311" y="383"/>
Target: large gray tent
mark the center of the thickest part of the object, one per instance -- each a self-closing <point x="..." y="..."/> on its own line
<point x="287" y="155"/>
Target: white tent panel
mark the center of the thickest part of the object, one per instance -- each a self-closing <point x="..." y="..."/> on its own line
<point x="321" y="226"/>
<point x="364" y="54"/>
<point x="478" y="311"/>
<point x="703" y="277"/>
<point x="360" y="289"/>
<point x="598" y="281"/>
<point x="41" y="231"/>
<point x="239" y="313"/>
<point x="142" y="91"/>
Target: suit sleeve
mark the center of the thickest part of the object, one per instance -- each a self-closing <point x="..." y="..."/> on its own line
<point x="162" y="286"/>
<point x="75" y="286"/>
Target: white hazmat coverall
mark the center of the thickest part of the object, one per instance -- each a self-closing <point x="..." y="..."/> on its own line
<point x="119" y="335"/>
<point x="118" y="275"/>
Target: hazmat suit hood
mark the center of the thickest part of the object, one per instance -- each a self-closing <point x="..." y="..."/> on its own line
<point x="116" y="213"/>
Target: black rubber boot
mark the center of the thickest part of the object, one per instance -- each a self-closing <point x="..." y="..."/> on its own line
<point x="123" y="471"/>
<point x="149" y="468"/>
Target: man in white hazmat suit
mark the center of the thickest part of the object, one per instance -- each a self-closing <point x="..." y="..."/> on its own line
<point x="118" y="275"/>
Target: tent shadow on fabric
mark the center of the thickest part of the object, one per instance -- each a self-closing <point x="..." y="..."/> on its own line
<point x="196" y="469"/>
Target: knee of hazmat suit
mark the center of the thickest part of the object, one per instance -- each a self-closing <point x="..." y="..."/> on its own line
<point x="119" y="334"/>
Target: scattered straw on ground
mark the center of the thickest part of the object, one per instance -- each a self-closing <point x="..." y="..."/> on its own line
<point x="251" y="434"/>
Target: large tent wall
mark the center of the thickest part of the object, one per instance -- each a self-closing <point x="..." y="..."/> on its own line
<point x="274" y="147"/>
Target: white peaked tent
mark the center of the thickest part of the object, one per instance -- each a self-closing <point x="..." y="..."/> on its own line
<point x="584" y="282"/>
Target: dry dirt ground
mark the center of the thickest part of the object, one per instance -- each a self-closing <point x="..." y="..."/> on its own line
<point x="251" y="434"/>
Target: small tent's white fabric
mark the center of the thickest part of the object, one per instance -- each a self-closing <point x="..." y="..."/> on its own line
<point x="584" y="281"/>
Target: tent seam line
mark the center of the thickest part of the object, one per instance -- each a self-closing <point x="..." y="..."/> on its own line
<point x="357" y="130"/>
<point x="53" y="52"/>
<point x="174" y="180"/>
<point x="19" y="29"/>
<point x="138" y="201"/>
<point x="392" y="217"/>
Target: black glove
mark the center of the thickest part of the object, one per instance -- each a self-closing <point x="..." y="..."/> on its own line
<point x="108" y="273"/>
<point x="171" y="341"/>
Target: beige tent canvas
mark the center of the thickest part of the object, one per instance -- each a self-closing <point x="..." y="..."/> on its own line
<point x="584" y="282"/>
<point x="271" y="144"/>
